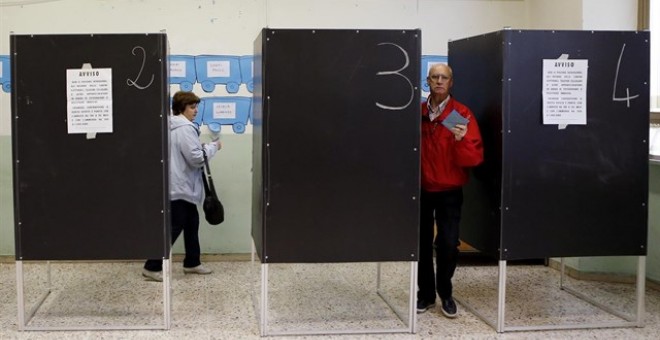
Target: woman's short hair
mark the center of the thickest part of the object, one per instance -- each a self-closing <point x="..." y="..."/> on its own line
<point x="182" y="99"/>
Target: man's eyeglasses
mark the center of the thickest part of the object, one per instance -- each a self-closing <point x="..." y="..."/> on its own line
<point x="435" y="77"/>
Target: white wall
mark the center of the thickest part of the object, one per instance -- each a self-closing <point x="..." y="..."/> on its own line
<point x="444" y="20"/>
<point x="584" y="14"/>
<point x="193" y="26"/>
<point x="229" y="27"/>
<point x="555" y="14"/>
<point x="362" y="14"/>
<point x="609" y="15"/>
<point x="439" y="20"/>
<point x="655" y="55"/>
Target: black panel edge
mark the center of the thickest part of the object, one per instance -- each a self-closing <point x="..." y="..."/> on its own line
<point x="165" y="112"/>
<point x="258" y="170"/>
<point x="479" y="181"/>
<point x="14" y="134"/>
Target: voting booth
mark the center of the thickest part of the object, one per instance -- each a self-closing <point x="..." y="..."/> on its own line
<point x="90" y="153"/>
<point x="564" y="118"/>
<point x="336" y="150"/>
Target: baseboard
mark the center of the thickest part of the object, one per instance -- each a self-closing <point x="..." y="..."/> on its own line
<point x="602" y="277"/>
<point x="572" y="272"/>
<point x="175" y="258"/>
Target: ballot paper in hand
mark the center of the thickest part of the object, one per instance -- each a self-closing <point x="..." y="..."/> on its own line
<point x="454" y="118"/>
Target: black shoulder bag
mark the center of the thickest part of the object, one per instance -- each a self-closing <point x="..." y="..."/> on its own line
<point x="214" y="212"/>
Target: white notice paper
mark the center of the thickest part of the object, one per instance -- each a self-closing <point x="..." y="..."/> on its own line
<point x="218" y="69"/>
<point x="224" y="110"/>
<point x="177" y="69"/>
<point x="89" y="100"/>
<point x="565" y="91"/>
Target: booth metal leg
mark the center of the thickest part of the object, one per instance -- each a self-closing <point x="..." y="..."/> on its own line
<point x="167" y="289"/>
<point x="641" y="290"/>
<point x="629" y="321"/>
<point x="252" y="252"/>
<point x="636" y="320"/>
<point x="378" y="277"/>
<point x="562" y="273"/>
<point x="19" y="295"/>
<point x="501" y="297"/>
<point x="25" y="318"/>
<point x="264" y="300"/>
<point x="410" y="320"/>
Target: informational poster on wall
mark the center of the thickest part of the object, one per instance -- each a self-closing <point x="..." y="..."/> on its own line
<point x="218" y="68"/>
<point x="565" y="91"/>
<point x="224" y="110"/>
<point x="89" y="100"/>
<point x="178" y="68"/>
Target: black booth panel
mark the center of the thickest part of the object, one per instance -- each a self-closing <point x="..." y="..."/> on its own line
<point x="342" y="173"/>
<point x="477" y="66"/>
<point x="89" y="199"/>
<point x="258" y="164"/>
<point x="579" y="191"/>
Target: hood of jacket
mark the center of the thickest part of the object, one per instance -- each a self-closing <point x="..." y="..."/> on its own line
<point x="179" y="121"/>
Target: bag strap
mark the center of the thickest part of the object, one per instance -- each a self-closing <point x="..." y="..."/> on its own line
<point x="206" y="162"/>
<point x="209" y="188"/>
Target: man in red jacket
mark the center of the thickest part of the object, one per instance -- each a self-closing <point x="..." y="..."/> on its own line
<point x="447" y="153"/>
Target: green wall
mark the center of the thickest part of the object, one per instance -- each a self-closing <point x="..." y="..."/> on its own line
<point x="232" y="172"/>
<point x="6" y="198"/>
<point x="231" y="169"/>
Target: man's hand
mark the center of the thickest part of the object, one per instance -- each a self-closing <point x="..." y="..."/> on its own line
<point x="459" y="131"/>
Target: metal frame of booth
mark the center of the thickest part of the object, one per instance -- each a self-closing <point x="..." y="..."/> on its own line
<point x="282" y="184"/>
<point x="25" y="318"/>
<point x="529" y="200"/>
<point x="47" y="183"/>
<point x="500" y="325"/>
<point x="409" y="320"/>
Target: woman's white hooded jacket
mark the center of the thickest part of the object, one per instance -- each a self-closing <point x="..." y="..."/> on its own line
<point x="187" y="160"/>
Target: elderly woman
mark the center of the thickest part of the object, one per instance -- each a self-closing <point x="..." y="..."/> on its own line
<point x="186" y="187"/>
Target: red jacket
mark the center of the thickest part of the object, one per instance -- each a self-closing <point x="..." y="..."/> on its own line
<point x="445" y="160"/>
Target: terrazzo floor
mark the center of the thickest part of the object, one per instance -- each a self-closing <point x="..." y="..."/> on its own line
<point x="305" y="297"/>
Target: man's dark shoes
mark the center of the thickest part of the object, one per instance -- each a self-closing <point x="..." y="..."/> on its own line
<point x="448" y="307"/>
<point x="423" y="306"/>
